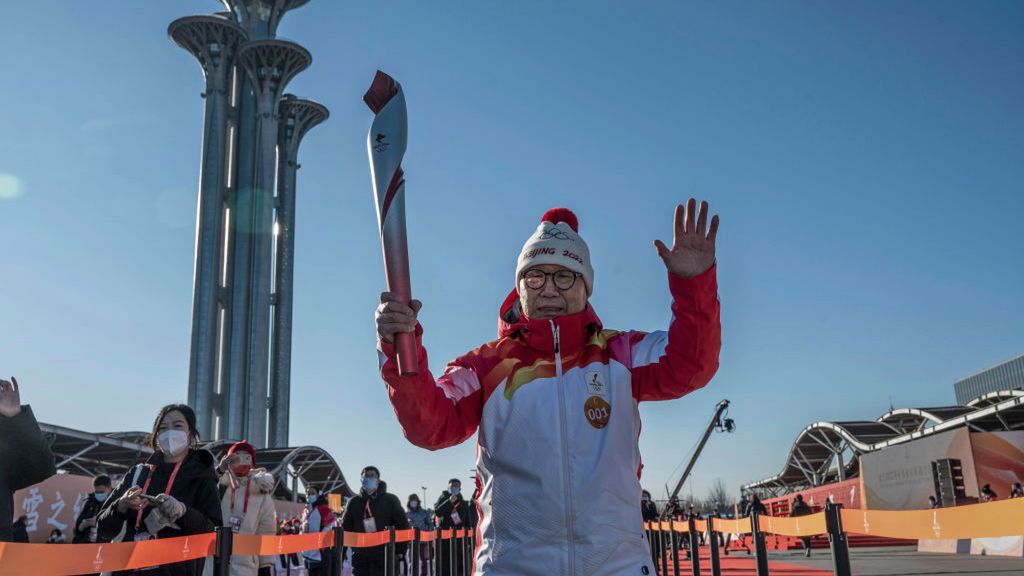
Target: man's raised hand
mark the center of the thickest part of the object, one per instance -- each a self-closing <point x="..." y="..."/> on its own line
<point x="394" y="317"/>
<point x="10" y="398"/>
<point x="693" y="241"/>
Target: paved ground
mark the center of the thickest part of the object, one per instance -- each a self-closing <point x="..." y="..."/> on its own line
<point x="743" y="565"/>
<point x="905" y="561"/>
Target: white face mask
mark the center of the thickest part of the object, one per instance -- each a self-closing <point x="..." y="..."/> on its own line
<point x="172" y="442"/>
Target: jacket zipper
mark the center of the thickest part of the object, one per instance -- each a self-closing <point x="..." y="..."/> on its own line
<point x="566" y="482"/>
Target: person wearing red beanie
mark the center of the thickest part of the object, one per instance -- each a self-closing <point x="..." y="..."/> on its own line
<point x="554" y="400"/>
<point x="247" y="504"/>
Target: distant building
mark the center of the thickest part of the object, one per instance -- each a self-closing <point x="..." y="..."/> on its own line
<point x="1008" y="375"/>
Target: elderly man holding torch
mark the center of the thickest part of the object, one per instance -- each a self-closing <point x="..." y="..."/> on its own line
<point x="555" y="398"/>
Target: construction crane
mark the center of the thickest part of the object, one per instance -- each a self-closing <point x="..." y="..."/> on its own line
<point x="719" y="422"/>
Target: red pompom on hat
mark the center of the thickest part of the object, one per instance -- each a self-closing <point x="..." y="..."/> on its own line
<point x="556" y="215"/>
<point x="557" y="241"/>
<point x="243" y="446"/>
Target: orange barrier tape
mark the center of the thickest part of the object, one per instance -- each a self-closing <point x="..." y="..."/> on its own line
<point x="460" y="533"/>
<point x="252" y="545"/>
<point x="701" y="525"/>
<point x="741" y="526"/>
<point x="993" y="519"/>
<point x="40" y="559"/>
<point x="682" y="527"/>
<point x="810" y="525"/>
<point x="361" y="540"/>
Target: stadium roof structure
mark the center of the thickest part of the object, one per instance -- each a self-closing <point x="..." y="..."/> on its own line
<point x="826" y="452"/>
<point x="113" y="453"/>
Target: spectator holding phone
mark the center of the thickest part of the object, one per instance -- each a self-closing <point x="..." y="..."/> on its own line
<point x="174" y="493"/>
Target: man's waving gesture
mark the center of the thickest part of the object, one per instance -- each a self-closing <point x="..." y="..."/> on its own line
<point x="693" y="242"/>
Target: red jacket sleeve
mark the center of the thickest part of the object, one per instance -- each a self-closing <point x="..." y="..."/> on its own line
<point x="433" y="413"/>
<point x="668" y="365"/>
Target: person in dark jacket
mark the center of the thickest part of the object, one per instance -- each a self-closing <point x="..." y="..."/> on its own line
<point x="84" y="530"/>
<point x="452" y="513"/>
<point x="181" y="478"/>
<point x="800" y="508"/>
<point x="754" y="504"/>
<point x="25" y="457"/>
<point x="373" y="510"/>
<point x="648" y="509"/>
<point x="988" y="494"/>
<point x="19" y="531"/>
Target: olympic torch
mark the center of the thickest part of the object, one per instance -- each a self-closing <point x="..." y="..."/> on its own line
<point x="386" y="146"/>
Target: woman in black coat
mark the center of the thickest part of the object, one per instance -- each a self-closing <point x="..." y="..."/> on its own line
<point x="183" y="481"/>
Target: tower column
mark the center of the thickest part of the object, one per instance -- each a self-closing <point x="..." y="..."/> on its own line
<point x="296" y="118"/>
<point x="270" y="64"/>
<point x="213" y="41"/>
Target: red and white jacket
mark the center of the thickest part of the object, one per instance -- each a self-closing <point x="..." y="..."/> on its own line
<point x="555" y="403"/>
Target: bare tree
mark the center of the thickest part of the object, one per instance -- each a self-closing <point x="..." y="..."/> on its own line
<point x="718" y="497"/>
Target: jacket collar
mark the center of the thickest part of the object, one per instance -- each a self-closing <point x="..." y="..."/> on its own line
<point x="573" y="329"/>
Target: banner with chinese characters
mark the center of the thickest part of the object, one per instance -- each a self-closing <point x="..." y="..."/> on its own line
<point x="53" y="503"/>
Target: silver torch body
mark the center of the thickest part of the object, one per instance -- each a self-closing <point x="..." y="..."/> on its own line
<point x="386" y="143"/>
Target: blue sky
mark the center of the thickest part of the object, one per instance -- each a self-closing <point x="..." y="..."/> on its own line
<point x="866" y="160"/>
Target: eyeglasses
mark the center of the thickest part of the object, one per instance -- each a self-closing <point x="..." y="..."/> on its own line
<point x="563" y="279"/>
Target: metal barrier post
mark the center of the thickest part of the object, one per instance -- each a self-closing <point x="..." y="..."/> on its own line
<point x="760" y="550"/>
<point x="437" y="552"/>
<point x="415" y="571"/>
<point x="674" y="542"/>
<point x="694" y="545"/>
<point x="650" y="546"/>
<point x="338" y="551"/>
<point x="716" y="564"/>
<point x="222" y="559"/>
<point x="463" y="547"/>
<point x="451" y="553"/>
<point x="659" y="567"/>
<point x="837" y="540"/>
<point x="390" y="558"/>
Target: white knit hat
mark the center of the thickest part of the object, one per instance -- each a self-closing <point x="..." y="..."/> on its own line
<point x="557" y="241"/>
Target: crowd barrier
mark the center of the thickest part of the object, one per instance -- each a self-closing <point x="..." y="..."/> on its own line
<point x="219" y="547"/>
<point x="989" y="520"/>
<point x="667" y="538"/>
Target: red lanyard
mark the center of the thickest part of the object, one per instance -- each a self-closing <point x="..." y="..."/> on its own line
<point x="245" y="506"/>
<point x="145" y="487"/>
<point x="368" y="513"/>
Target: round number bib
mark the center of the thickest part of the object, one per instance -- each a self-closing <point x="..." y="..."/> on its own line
<point x="597" y="411"/>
